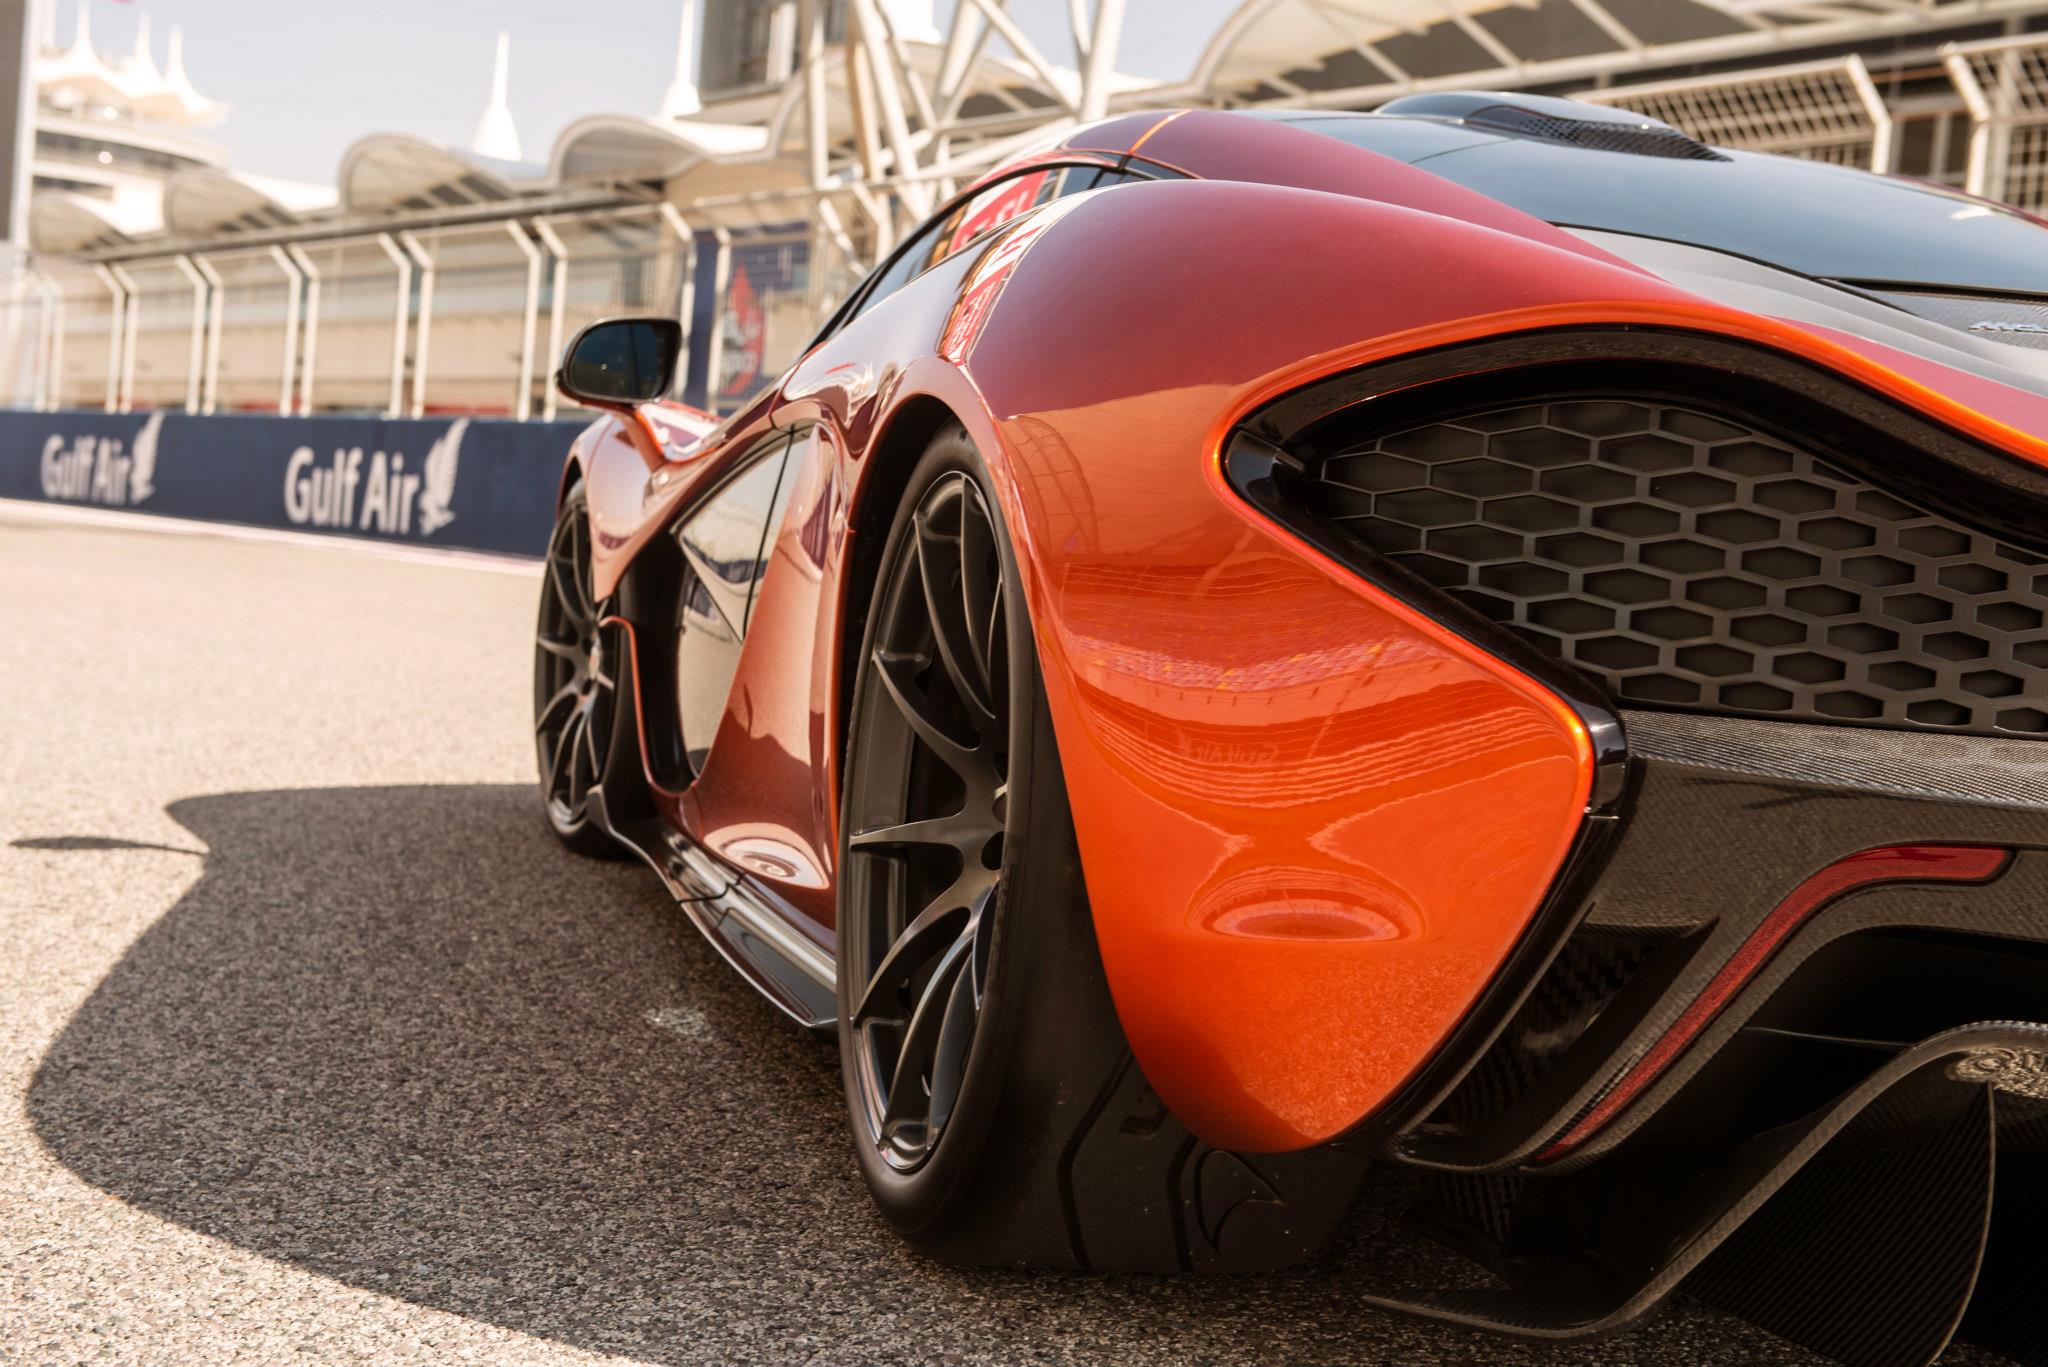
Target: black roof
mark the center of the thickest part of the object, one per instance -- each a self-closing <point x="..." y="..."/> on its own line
<point x="1588" y="166"/>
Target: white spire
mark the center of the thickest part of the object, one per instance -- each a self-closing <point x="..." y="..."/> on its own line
<point x="142" y="66"/>
<point x="174" y="68"/>
<point x="681" y="101"/>
<point x="82" y="43"/>
<point x="495" y="135"/>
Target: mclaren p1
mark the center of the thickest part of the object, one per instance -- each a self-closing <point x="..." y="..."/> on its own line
<point x="1486" y="640"/>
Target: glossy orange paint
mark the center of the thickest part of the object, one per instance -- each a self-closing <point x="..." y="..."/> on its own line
<point x="1119" y="134"/>
<point x="1215" y="145"/>
<point x="1313" y="823"/>
<point x="761" y="803"/>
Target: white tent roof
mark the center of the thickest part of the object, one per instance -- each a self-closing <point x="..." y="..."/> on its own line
<point x="393" y="170"/>
<point x="209" y="200"/>
<point x="65" y="222"/>
<point x="611" y="147"/>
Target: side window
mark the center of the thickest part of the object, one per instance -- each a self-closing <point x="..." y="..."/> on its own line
<point x="724" y="540"/>
<point x="967" y="221"/>
<point x="725" y="547"/>
<point x="909" y="262"/>
<point x="997" y="204"/>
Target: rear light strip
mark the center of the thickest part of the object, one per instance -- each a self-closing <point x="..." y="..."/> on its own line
<point x="1889" y="864"/>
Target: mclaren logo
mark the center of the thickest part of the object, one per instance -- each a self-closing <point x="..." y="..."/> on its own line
<point x="1996" y="325"/>
<point x="394" y="500"/>
<point x="102" y="470"/>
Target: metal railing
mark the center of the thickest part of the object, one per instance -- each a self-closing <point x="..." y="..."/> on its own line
<point x="2004" y="85"/>
<point x="462" y="318"/>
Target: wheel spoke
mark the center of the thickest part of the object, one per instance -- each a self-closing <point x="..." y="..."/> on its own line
<point x="953" y="832"/>
<point x="921" y="1037"/>
<point x="583" y="594"/>
<point x="938" y="566"/>
<point x="981" y="929"/>
<point x="996" y="646"/>
<point x="956" y="1035"/>
<point x="566" y="693"/>
<point x="571" y="651"/>
<point x="590" y="745"/>
<point x="963" y="757"/>
<point x="981" y="591"/>
<point x="566" y="593"/>
<point x="565" y="749"/>
<point x="913" y="947"/>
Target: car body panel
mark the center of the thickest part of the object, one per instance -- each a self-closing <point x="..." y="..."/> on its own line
<point x="760" y="801"/>
<point x="1212" y="145"/>
<point x="1314" y="823"/>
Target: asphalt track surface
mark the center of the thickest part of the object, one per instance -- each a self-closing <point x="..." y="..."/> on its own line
<point x="315" y="1048"/>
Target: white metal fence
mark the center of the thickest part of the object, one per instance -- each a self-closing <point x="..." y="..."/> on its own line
<point x="455" y="318"/>
<point x="257" y="298"/>
<point x="2004" y="84"/>
<point x="640" y="260"/>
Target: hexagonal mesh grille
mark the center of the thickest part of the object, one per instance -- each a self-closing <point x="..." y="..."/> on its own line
<point x="1683" y="559"/>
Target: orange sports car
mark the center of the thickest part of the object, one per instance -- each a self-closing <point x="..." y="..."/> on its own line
<point x="1488" y="639"/>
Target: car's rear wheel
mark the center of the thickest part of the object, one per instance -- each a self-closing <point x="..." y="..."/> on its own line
<point x="575" y="685"/>
<point x="997" y="1112"/>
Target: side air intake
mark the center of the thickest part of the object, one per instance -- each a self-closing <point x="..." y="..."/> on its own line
<point x="1682" y="557"/>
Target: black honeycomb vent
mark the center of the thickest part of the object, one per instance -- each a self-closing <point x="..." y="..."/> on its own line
<point x="1685" y="558"/>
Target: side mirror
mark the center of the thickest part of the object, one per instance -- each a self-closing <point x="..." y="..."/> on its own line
<point x="621" y="362"/>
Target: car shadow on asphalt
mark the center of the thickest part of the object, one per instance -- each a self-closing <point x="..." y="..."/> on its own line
<point x="398" y="1038"/>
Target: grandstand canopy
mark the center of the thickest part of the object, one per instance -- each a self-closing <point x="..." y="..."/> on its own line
<point x="612" y="147"/>
<point x="77" y="223"/>
<point x="388" y="171"/>
<point x="1358" y="52"/>
<point x="210" y="200"/>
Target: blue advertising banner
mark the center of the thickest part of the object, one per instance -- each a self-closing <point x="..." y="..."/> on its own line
<point x="472" y="483"/>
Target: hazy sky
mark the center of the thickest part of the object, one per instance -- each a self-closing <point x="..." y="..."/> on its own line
<point x="307" y="77"/>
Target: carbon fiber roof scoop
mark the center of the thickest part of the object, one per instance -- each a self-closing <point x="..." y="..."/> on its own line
<point x="1546" y="118"/>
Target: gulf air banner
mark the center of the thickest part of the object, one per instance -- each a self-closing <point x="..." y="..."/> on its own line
<point x="473" y="484"/>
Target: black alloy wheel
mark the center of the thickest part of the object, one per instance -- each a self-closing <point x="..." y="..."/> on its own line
<point x="575" y="684"/>
<point x="927" y="818"/>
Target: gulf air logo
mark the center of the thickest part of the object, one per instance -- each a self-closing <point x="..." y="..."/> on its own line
<point x="102" y="470"/>
<point x="1996" y="325"/>
<point x="375" y="493"/>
